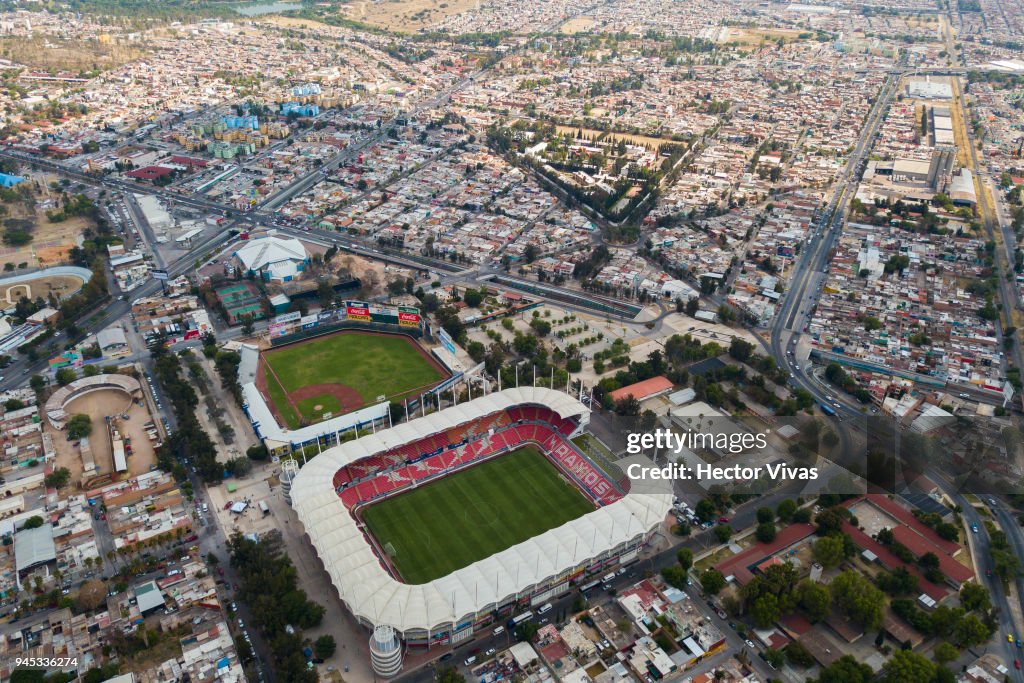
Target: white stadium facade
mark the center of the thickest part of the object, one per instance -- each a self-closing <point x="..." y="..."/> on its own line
<point x="327" y="492"/>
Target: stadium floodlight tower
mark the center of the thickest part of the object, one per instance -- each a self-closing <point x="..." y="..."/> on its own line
<point x="385" y="651"/>
<point x="289" y="468"/>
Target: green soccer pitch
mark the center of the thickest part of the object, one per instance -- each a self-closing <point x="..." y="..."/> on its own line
<point x="343" y="372"/>
<point x="453" y="522"/>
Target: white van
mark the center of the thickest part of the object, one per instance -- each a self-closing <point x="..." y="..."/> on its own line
<point x="545" y="608"/>
<point x="498" y="631"/>
<point x="471" y="661"/>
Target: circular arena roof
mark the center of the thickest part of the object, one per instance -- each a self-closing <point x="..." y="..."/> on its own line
<point x="374" y="596"/>
<point x="59" y="399"/>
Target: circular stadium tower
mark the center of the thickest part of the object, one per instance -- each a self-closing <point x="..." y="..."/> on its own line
<point x="385" y="651"/>
<point x="289" y="468"/>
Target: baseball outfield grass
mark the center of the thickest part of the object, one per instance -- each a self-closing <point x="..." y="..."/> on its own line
<point x="433" y="530"/>
<point x="371" y="365"/>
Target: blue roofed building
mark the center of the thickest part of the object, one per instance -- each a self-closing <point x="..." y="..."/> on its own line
<point x="8" y="180"/>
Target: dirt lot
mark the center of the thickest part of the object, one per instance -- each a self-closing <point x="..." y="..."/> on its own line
<point x="406" y="16"/>
<point x="51" y="242"/>
<point x="46" y="52"/>
<point x="615" y="137"/>
<point x="754" y="36"/>
<point x="60" y="285"/>
<point x="575" y="25"/>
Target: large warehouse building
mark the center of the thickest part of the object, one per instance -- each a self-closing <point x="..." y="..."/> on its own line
<point x="329" y="492"/>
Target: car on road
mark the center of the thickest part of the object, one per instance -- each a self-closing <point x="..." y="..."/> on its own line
<point x="490" y="652"/>
<point x="750" y="643"/>
<point x="1016" y="664"/>
<point x="723" y="520"/>
<point x="974" y="528"/>
<point x="1009" y="637"/>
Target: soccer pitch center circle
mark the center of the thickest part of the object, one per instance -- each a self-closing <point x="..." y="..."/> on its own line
<point x="451" y="608"/>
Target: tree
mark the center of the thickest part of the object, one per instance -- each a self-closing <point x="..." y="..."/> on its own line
<point x="945" y="653"/>
<point x="723" y="532"/>
<point x="846" y="669"/>
<point x="765" y="532"/>
<point x="66" y="376"/>
<point x="248" y="323"/>
<point x="239" y="466"/>
<point x="473" y="298"/>
<point x="477" y="351"/>
<point x="814" y="599"/>
<point x="741" y="349"/>
<point x="58" y="479"/>
<point x="975" y="598"/>
<point x="91" y="595"/>
<point x="396" y="287"/>
<point x="828" y="551"/>
<point x="712" y="581"/>
<point x="970" y="632"/>
<point x="786" y="509"/>
<point x="774" y="657"/>
<point x="906" y="666"/>
<point x="449" y="674"/>
<point x="324" y="646"/>
<point x="831" y="520"/>
<point x="765" y="610"/>
<point x="541" y="327"/>
<point x="33" y="522"/>
<point x="765" y="515"/>
<point x="674" y="576"/>
<point x="79" y="426"/>
<point x="685" y="557"/>
<point x="798" y="655"/>
<point x="705" y="510"/>
<point x="859" y="599"/>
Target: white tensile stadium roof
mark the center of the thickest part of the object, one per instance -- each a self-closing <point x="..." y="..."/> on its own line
<point x="374" y="596"/>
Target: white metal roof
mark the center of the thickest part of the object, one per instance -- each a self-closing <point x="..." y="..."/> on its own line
<point x="34" y="546"/>
<point x="265" y="251"/>
<point x="371" y="593"/>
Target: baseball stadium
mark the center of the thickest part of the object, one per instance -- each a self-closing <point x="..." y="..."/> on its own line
<point x="313" y="380"/>
<point x="326" y="375"/>
<point x="439" y="527"/>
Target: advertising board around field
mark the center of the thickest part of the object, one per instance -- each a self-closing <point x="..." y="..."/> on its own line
<point x="384" y="314"/>
<point x="358" y="310"/>
<point x="408" y="316"/>
<point x="446" y="341"/>
<point x="278" y="329"/>
<point x="288" y="317"/>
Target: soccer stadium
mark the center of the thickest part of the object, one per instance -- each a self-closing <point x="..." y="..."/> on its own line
<point x="448" y="523"/>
